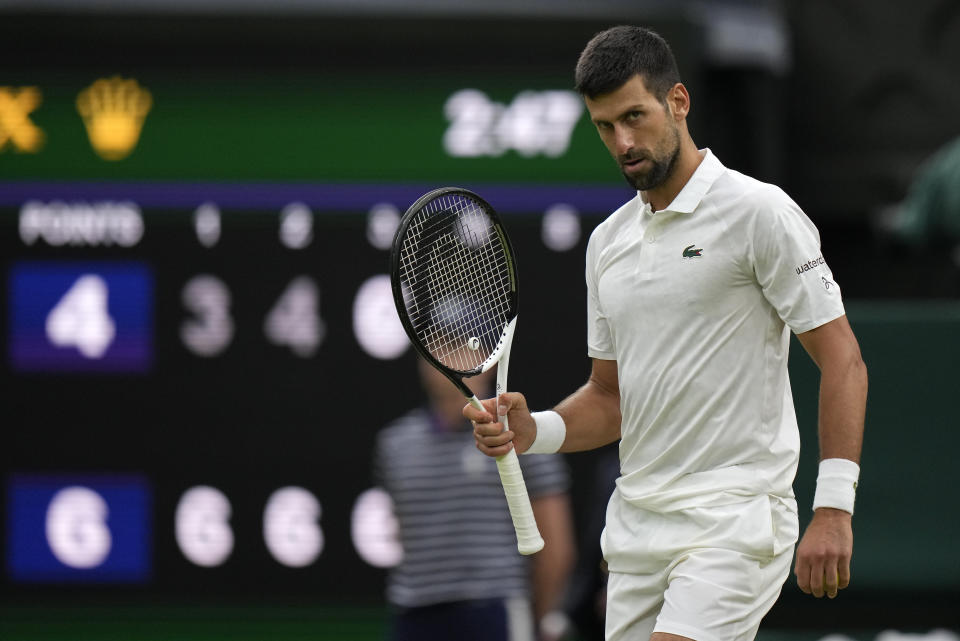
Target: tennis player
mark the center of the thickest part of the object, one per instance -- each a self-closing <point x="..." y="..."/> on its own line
<point x="693" y="288"/>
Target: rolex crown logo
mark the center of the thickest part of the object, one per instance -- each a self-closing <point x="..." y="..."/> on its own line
<point x="113" y="110"/>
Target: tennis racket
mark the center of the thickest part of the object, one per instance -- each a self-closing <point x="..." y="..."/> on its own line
<point x="454" y="280"/>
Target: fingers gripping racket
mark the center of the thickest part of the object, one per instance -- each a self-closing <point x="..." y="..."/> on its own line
<point x="454" y="282"/>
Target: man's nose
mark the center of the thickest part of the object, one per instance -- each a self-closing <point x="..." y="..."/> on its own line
<point x="623" y="139"/>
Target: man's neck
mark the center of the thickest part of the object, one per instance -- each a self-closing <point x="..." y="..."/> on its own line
<point x="687" y="162"/>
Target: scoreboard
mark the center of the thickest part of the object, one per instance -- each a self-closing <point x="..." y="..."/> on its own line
<point x="199" y="342"/>
<point x="207" y="378"/>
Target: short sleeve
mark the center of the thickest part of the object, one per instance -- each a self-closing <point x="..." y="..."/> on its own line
<point x="790" y="267"/>
<point x="599" y="338"/>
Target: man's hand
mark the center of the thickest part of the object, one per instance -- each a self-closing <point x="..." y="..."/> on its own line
<point x="823" y="556"/>
<point x="492" y="440"/>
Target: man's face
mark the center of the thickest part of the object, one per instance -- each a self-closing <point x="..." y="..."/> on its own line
<point x="639" y="131"/>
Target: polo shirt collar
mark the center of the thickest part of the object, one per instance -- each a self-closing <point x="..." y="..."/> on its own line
<point x="689" y="198"/>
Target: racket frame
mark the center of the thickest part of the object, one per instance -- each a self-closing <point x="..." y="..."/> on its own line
<point x="529" y="540"/>
<point x="456" y="376"/>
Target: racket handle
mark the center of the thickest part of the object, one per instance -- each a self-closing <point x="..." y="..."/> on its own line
<point x="529" y="540"/>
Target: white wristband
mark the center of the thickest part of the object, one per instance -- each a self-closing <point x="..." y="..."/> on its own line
<point x="836" y="484"/>
<point x="551" y="432"/>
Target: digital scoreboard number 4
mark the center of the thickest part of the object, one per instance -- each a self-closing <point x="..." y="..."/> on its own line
<point x="77" y="316"/>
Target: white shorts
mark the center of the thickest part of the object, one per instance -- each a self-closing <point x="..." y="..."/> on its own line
<point x="707" y="594"/>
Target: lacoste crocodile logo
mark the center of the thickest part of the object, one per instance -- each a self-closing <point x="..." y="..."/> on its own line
<point x="690" y="252"/>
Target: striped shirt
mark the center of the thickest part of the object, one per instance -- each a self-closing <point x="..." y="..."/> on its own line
<point x="455" y="528"/>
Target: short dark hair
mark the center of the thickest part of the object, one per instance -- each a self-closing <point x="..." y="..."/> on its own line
<point x="614" y="56"/>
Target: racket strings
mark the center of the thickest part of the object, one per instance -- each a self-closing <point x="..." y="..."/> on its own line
<point x="465" y="311"/>
<point x="462" y="279"/>
<point x="458" y="281"/>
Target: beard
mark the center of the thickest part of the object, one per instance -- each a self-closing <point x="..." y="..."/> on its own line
<point x="662" y="164"/>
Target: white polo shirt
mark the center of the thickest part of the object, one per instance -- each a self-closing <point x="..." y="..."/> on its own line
<point x="695" y="303"/>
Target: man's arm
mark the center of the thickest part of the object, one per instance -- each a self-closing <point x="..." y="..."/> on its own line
<point x="823" y="556"/>
<point x="591" y="415"/>
<point x="551" y="567"/>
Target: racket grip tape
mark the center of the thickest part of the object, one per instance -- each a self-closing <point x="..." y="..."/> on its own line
<point x="529" y="540"/>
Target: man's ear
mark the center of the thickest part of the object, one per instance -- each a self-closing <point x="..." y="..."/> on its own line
<point x="679" y="100"/>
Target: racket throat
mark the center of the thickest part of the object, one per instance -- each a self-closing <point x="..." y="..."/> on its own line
<point x="501" y="353"/>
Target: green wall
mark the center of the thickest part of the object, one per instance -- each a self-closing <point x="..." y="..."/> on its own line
<point x="906" y="523"/>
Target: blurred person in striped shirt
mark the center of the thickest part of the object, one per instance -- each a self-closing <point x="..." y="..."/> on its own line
<point x="461" y="576"/>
